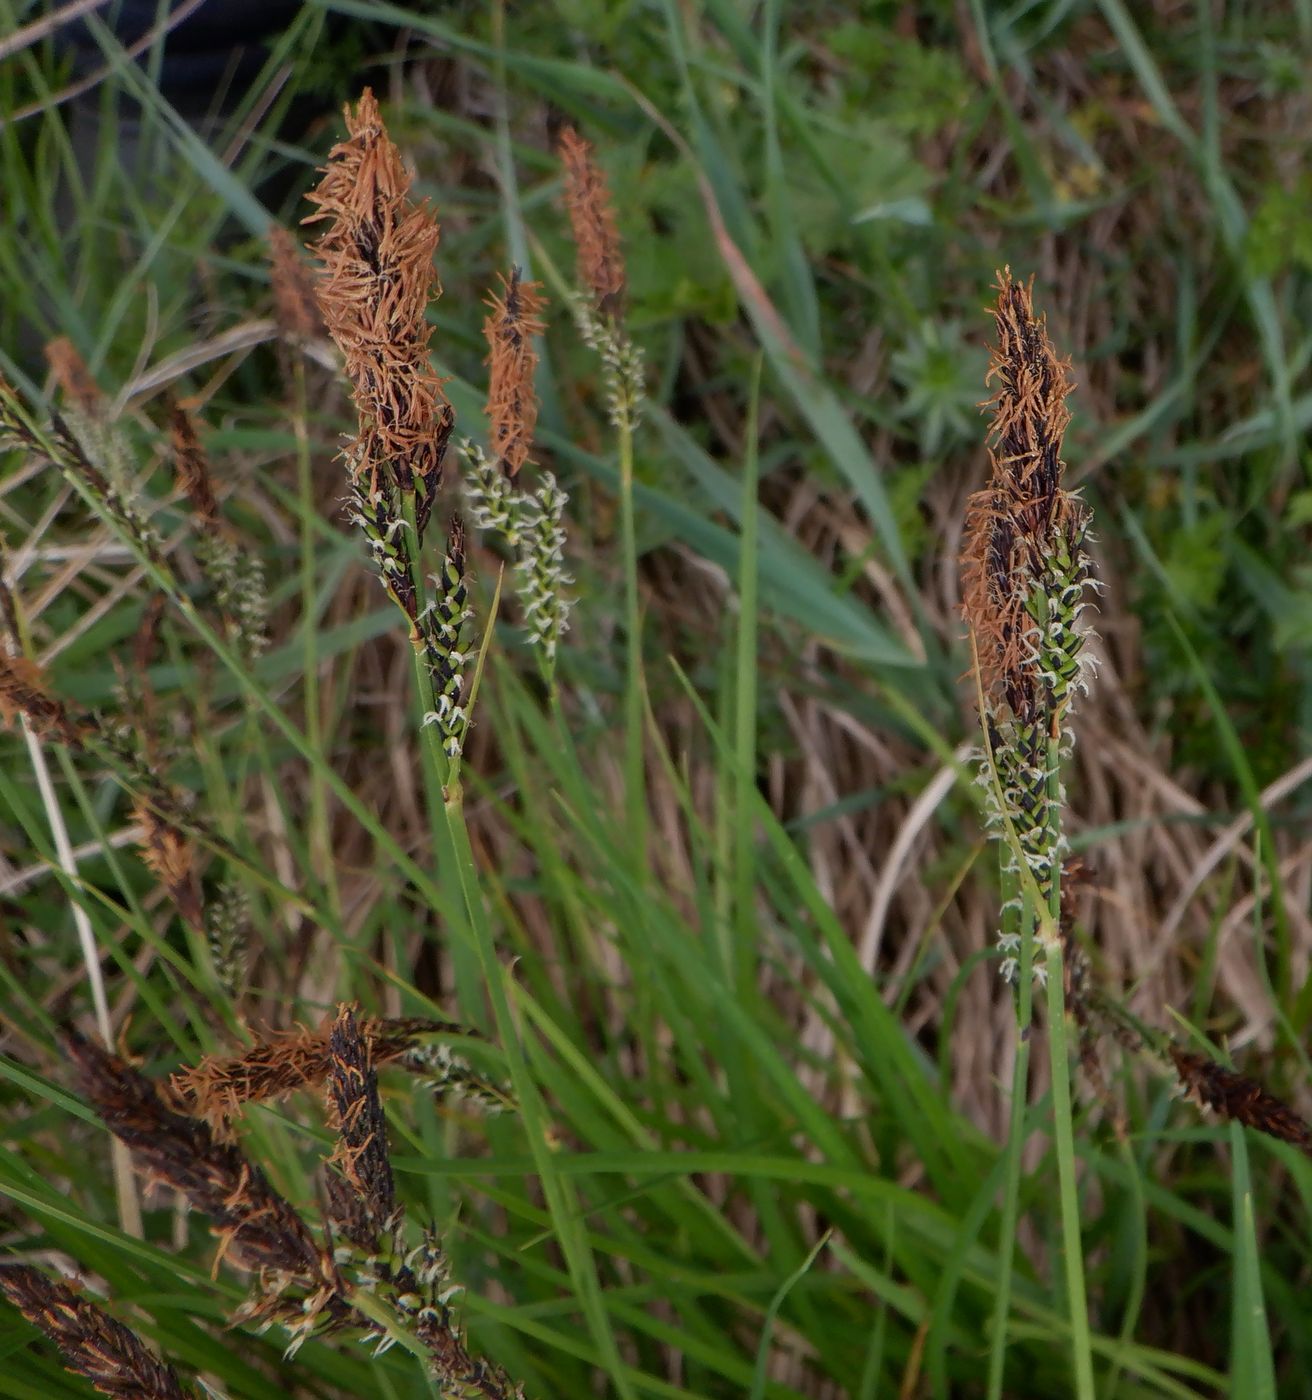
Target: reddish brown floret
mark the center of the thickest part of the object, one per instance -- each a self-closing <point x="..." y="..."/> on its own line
<point x="592" y="217"/>
<point x="512" y="404"/>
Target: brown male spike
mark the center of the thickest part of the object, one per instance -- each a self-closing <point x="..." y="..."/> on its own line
<point x="191" y="465"/>
<point x="79" y="388"/>
<point x="1010" y="525"/>
<point x="258" y="1229"/>
<point x="377" y="280"/>
<point x="294" y="306"/>
<point x="25" y="691"/>
<point x="362" y="1152"/>
<point x="512" y="404"/>
<point x="592" y="217"/>
<point x="1239" y="1099"/>
<point x="92" y="1343"/>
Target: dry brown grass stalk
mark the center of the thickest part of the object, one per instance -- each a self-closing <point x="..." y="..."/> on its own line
<point x="93" y="1344"/>
<point x="512" y="404"/>
<point x="600" y="258"/>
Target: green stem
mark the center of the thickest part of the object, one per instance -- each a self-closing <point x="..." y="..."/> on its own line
<point x="635" y="797"/>
<point x="1064" y="1137"/>
<point x="1059" y="1065"/>
<point x="1015" y="1135"/>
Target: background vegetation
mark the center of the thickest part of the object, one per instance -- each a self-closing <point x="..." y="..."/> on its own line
<point x="766" y="1023"/>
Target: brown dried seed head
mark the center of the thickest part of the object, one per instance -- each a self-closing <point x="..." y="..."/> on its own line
<point x="169" y="856"/>
<point x="373" y="290"/>
<point x="259" y="1230"/>
<point x="192" y="466"/>
<point x="294" y="306"/>
<point x="512" y="404"/>
<point x="592" y="217"/>
<point x="93" y="1344"/>
<point x="1009" y="525"/>
<point x="1239" y="1099"/>
<point x="73" y="376"/>
<point x="25" y="691"/>
<point x="362" y="1152"/>
<point x="217" y="1087"/>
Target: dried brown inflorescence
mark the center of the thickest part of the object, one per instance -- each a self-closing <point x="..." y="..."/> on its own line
<point x="25" y="691"/>
<point x="599" y="256"/>
<point x="75" y="380"/>
<point x="258" y="1229"/>
<point x="1239" y="1099"/>
<point x="217" y="1088"/>
<point x="191" y="465"/>
<point x="171" y="858"/>
<point x="512" y="403"/>
<point x="377" y="280"/>
<point x="294" y="306"/>
<point x="357" y="1113"/>
<point x="1023" y="530"/>
<point x="93" y="1344"/>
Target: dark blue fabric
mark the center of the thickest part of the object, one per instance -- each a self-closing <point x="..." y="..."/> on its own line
<point x="219" y="39"/>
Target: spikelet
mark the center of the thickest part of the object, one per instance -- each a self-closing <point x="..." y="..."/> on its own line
<point x="1239" y="1099"/>
<point x="296" y="1283"/>
<point x="91" y="1342"/>
<point x="529" y="521"/>
<point x="294" y="307"/>
<point x="599" y="302"/>
<point x="439" y="638"/>
<point x="76" y="383"/>
<point x="219" y="1086"/>
<point x="512" y="404"/>
<point x="357" y="1113"/>
<point x="92" y="459"/>
<point x="227" y="934"/>
<point x="236" y="575"/>
<point x="170" y="857"/>
<point x="377" y="280"/>
<point x="1025" y="571"/>
<point x="414" y="1284"/>
<point x="25" y="691"/>
<point x="600" y="260"/>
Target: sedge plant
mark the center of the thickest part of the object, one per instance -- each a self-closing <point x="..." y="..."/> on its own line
<point x="1026" y="572"/>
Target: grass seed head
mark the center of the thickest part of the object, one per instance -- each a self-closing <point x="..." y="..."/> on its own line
<point x="362" y="1152"/>
<point x="512" y="404"/>
<point x="171" y="858"/>
<point x="374" y="287"/>
<point x="259" y="1230"/>
<point x="75" y="380"/>
<point x="1025" y="534"/>
<point x="294" y="306"/>
<point x="25" y="691"/>
<point x="600" y="258"/>
<point x="92" y="1343"/>
<point x="1239" y="1099"/>
<point x="191" y="464"/>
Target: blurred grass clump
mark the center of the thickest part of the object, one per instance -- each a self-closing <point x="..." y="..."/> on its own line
<point x="706" y="901"/>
